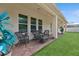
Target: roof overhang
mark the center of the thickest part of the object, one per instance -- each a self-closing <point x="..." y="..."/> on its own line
<point x="52" y="9"/>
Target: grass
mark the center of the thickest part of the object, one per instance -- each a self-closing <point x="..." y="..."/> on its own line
<point x="66" y="45"/>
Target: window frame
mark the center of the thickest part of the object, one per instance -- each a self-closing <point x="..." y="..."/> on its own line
<point x="25" y="23"/>
<point x="33" y="24"/>
<point x="40" y="25"/>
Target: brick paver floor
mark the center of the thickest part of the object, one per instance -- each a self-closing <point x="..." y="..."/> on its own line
<point x="30" y="48"/>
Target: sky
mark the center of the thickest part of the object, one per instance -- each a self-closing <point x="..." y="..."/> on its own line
<point x="70" y="11"/>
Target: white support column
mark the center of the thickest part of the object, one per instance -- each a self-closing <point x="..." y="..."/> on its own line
<point x="29" y="26"/>
<point x="55" y="26"/>
<point x="37" y="24"/>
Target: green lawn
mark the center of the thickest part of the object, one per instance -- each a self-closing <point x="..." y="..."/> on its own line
<point x="66" y="45"/>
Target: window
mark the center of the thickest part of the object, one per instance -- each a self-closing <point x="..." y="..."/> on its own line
<point x="33" y="24"/>
<point x="40" y="25"/>
<point x="22" y="23"/>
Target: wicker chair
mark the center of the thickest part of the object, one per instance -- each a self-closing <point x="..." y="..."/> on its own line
<point x="42" y="37"/>
<point x="23" y="38"/>
<point x="26" y="37"/>
<point x="37" y="35"/>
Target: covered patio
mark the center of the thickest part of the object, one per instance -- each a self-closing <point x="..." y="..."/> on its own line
<point x="29" y="18"/>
